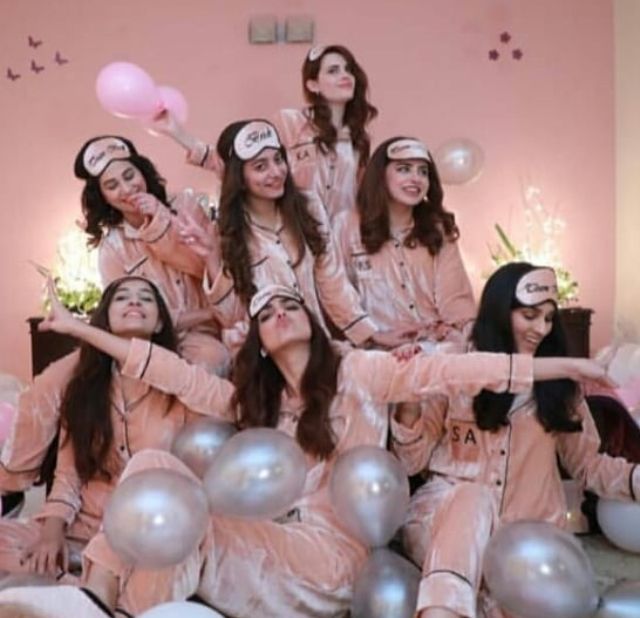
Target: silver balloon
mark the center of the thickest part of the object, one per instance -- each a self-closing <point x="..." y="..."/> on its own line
<point x="387" y="587"/>
<point x="370" y="493"/>
<point x="619" y="523"/>
<point x="258" y="473"/>
<point x="198" y="442"/>
<point x="180" y="609"/>
<point x="534" y="569"/>
<point x="620" y="601"/>
<point x="156" y="518"/>
<point x="458" y="161"/>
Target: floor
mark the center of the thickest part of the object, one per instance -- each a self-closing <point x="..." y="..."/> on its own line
<point x="610" y="564"/>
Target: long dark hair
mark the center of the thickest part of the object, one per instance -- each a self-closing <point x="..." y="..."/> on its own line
<point x="98" y="214"/>
<point x="85" y="410"/>
<point x="492" y="332"/>
<point x="259" y="384"/>
<point x="358" y="112"/>
<point x="232" y="221"/>
<point x="432" y="223"/>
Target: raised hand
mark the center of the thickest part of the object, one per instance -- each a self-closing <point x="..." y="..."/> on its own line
<point x="194" y="236"/>
<point x="59" y="318"/>
<point x="165" y="123"/>
<point x="146" y="204"/>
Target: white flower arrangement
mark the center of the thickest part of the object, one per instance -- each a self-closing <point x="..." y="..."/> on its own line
<point x="540" y="246"/>
<point x="75" y="273"/>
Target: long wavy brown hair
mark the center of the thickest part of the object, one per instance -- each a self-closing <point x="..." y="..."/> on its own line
<point x="259" y="384"/>
<point x="232" y="220"/>
<point x="85" y="409"/>
<point x="358" y="112"/>
<point x="99" y="215"/>
<point x="432" y="223"/>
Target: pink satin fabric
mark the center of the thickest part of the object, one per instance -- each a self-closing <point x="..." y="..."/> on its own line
<point x="263" y="568"/>
<point x="408" y="287"/>
<point x="154" y="251"/>
<point x="479" y="480"/>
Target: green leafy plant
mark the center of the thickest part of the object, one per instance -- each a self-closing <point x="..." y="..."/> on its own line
<point x="78" y="299"/>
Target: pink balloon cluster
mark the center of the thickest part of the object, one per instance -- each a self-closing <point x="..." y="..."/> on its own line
<point x="127" y="91"/>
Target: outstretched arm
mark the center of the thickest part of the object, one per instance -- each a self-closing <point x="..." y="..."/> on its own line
<point x="578" y="369"/>
<point x="196" y="388"/>
<point x="388" y="379"/>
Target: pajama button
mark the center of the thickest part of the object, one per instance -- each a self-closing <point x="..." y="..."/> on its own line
<point x="503" y="452"/>
<point x="498" y="482"/>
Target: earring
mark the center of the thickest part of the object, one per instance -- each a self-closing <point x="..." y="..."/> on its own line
<point x="263" y="353"/>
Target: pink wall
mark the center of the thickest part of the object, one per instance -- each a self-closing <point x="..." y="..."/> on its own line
<point x="547" y="119"/>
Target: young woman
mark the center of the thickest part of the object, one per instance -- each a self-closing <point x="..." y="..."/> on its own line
<point x="105" y="418"/>
<point x="327" y="142"/>
<point x="287" y="376"/>
<point x="267" y="231"/>
<point x="492" y="458"/>
<point x="400" y="249"/>
<point x="133" y="224"/>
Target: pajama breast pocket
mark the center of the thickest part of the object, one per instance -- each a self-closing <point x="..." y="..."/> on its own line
<point x="361" y="264"/>
<point x="464" y="444"/>
<point x="303" y="162"/>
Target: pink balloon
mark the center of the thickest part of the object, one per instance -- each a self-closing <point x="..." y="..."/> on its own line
<point x="7" y="412"/>
<point x="125" y="90"/>
<point x="174" y="101"/>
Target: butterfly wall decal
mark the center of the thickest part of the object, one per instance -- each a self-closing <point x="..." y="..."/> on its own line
<point x="59" y="59"/>
<point x="36" y="68"/>
<point x="33" y="42"/>
<point x="11" y="75"/>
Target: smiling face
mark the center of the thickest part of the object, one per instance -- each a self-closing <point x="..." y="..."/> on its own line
<point x="335" y="81"/>
<point x="530" y="325"/>
<point x="133" y="311"/>
<point x="407" y="181"/>
<point x="119" y="181"/>
<point x="265" y="175"/>
<point x="282" y="322"/>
